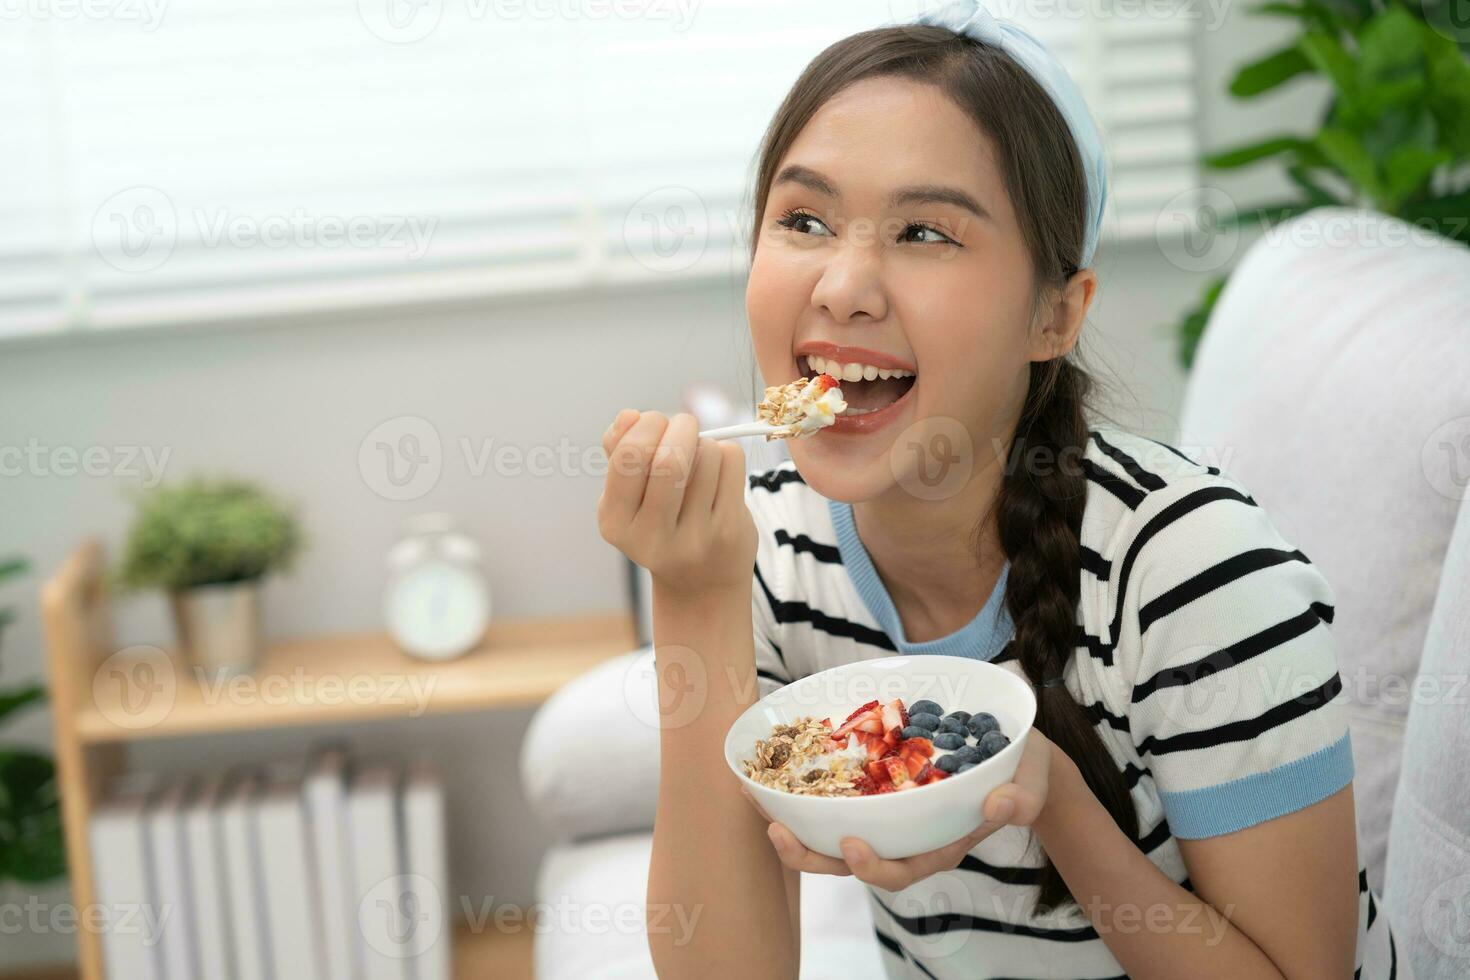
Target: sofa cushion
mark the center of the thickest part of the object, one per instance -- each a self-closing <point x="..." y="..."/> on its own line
<point x="1332" y="382"/>
<point x="609" y="713"/>
<point x="590" y="920"/>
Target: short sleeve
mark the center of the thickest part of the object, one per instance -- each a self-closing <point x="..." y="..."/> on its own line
<point x="770" y="660"/>
<point x="1236" y="704"/>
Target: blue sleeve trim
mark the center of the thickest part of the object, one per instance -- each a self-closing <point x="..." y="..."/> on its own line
<point x="1227" y="807"/>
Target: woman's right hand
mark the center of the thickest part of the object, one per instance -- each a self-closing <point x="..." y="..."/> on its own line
<point x="675" y="503"/>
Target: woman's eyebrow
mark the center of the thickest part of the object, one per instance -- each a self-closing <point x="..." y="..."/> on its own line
<point x="921" y="194"/>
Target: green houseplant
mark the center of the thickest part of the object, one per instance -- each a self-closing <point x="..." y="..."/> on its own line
<point x="31" y="843"/>
<point x="208" y="543"/>
<point x="1393" y="136"/>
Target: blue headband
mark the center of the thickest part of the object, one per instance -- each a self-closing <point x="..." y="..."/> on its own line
<point x="967" y="17"/>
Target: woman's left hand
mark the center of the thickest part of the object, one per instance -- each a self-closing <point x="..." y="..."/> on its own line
<point x="1018" y="803"/>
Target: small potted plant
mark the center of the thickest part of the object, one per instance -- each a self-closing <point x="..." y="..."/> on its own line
<point x="209" y="543"/>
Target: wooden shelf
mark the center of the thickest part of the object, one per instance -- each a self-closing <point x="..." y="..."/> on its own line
<point x="347" y="678"/>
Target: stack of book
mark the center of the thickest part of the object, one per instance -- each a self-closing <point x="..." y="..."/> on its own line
<point x="323" y="867"/>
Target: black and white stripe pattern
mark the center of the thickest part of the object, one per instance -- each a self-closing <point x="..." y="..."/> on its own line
<point x="1203" y="654"/>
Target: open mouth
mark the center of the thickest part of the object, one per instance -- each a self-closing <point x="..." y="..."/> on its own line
<point x="865" y="387"/>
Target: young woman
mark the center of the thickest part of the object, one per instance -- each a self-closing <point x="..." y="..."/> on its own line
<point x="1184" y="809"/>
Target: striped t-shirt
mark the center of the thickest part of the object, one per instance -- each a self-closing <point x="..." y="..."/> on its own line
<point x="1203" y="652"/>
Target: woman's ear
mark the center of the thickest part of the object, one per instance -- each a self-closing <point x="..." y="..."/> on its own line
<point x="1063" y="316"/>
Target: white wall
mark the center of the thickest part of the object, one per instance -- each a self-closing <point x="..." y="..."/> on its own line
<point x="291" y="402"/>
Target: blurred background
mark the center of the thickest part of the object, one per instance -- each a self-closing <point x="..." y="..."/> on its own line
<point x="312" y="315"/>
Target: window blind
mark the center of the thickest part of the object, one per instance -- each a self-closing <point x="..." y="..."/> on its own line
<point x="183" y="161"/>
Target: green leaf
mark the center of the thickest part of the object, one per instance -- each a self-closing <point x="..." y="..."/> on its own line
<point x="1448" y="215"/>
<point x="1382" y="96"/>
<point x="12" y="566"/>
<point x="11" y="701"/>
<point x="1387" y="44"/>
<point x="1325" y="53"/>
<point x="1269" y="72"/>
<point x="1192" y="327"/>
<point x="31" y="842"/>
<point x="1250" y="153"/>
<point x="1448" y="89"/>
<point x="1407" y="168"/>
<point x="1316" y="193"/>
<point x="1346" y="153"/>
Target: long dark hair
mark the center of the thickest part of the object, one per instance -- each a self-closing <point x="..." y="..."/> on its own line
<point x="1039" y="510"/>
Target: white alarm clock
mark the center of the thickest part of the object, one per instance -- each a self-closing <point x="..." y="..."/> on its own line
<point x="437" y="603"/>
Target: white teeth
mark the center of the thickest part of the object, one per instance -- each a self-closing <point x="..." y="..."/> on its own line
<point x="858" y="411"/>
<point x="853" y="371"/>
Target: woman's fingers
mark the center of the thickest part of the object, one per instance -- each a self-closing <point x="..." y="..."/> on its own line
<point x="621" y="423"/>
<point x="669" y="471"/>
<point x="797" y="857"/>
<point x="627" y="468"/>
<point x="699" y="497"/>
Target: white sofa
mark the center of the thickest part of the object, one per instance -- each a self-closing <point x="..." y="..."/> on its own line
<point x="1330" y="381"/>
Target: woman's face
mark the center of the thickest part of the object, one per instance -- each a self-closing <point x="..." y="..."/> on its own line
<point x="888" y="242"/>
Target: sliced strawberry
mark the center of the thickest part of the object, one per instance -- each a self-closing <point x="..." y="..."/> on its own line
<point x="865" y="785"/>
<point x="934" y="775"/>
<point x="868" y="721"/>
<point x="877" y="748"/>
<point x="876" y="770"/>
<point x="826" y="722"/>
<point x="861" y="711"/>
<point x="918" y="746"/>
<point x="871" y="724"/>
<point x="898" y="772"/>
<point x="893" y="715"/>
<point x="891" y="737"/>
<point x="903" y="714"/>
<point x="822" y="382"/>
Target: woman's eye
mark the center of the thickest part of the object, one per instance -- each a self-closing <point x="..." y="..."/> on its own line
<point x="796" y="221"/>
<point x="940" y="238"/>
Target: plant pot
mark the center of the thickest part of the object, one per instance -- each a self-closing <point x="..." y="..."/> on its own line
<point x="219" y="626"/>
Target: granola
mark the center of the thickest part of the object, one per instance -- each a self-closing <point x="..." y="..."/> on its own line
<point x="792" y="759"/>
<point x="802" y="407"/>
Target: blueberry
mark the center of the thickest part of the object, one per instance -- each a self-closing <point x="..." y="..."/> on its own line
<point x="967" y="765"/>
<point x="993" y="742"/>
<point x="959" y="716"/>
<point x="982" y="722"/>
<point x="925" y="707"/>
<point x="924" y="720"/>
<point x="968" y="753"/>
<point x="914" y="731"/>
<point x="949" y="740"/>
<point x="949" y="723"/>
<point x="947" y="763"/>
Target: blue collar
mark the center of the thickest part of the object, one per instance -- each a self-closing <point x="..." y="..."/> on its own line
<point x="981" y="638"/>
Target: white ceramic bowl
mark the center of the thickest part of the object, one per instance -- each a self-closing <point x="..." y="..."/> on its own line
<point x="908" y="822"/>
